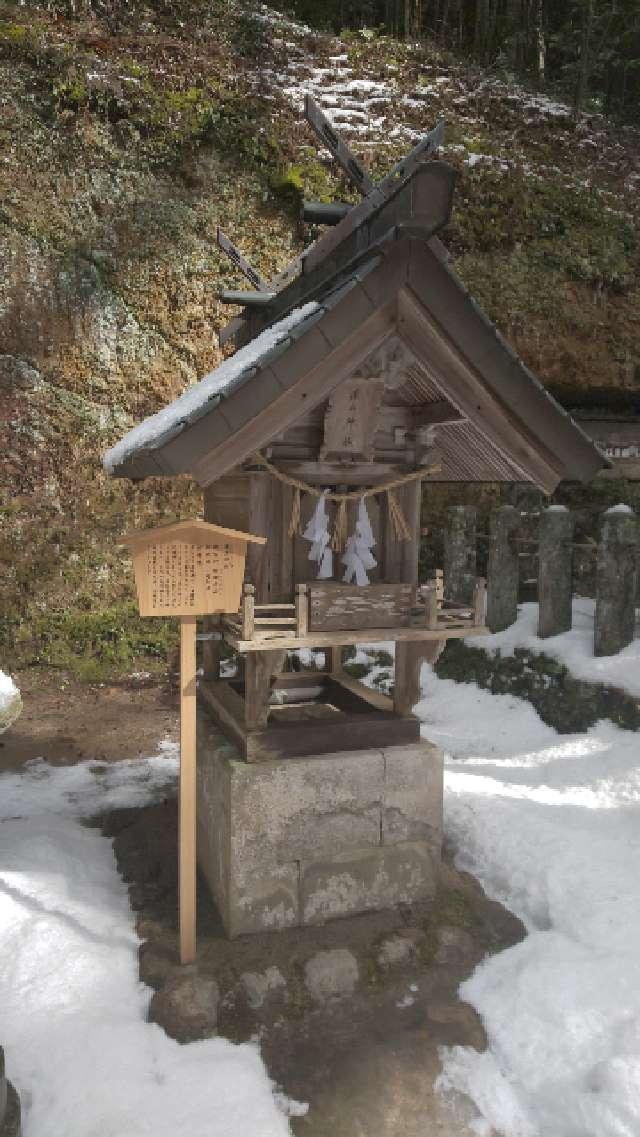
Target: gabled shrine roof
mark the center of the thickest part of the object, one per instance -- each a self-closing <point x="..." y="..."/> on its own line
<point x="156" y="431"/>
<point x="382" y="275"/>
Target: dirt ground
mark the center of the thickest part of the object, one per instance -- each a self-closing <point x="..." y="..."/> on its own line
<point x="366" y="1063"/>
<point x="65" y="721"/>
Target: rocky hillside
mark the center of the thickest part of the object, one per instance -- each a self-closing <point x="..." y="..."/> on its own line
<point x="126" y="139"/>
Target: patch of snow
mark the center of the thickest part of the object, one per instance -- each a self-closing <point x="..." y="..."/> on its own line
<point x="405" y="1001"/>
<point x="548" y="106"/>
<point x="620" y="508"/>
<point x="309" y="658"/>
<point x="10" y="702"/>
<point x="574" y="648"/>
<point x="550" y="824"/>
<point x="78" y="1046"/>
<point x="193" y="402"/>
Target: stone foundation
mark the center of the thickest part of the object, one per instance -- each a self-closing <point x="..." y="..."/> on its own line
<point x="303" y="840"/>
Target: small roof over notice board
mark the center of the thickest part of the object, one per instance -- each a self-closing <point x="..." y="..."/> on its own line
<point x="188" y="568"/>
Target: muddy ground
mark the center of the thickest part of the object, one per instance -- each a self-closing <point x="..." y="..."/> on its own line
<point x="65" y="721"/>
<point x="366" y="1059"/>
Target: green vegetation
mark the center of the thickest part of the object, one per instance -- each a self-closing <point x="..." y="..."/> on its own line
<point x="95" y="646"/>
<point x="130" y="132"/>
<point x="567" y="704"/>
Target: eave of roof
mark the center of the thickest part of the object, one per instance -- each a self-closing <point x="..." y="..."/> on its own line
<point x="215" y="414"/>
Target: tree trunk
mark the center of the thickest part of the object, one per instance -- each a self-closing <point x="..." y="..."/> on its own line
<point x="584" y="65"/>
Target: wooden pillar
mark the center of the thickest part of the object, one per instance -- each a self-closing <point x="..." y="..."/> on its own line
<point x="616" y="581"/>
<point x="187" y="815"/>
<point x="399" y="559"/>
<point x="406" y="690"/>
<point x="555" y="562"/>
<point x="502" y="582"/>
<point x="460" y="554"/>
<point x="258" y="503"/>
<point x="261" y="668"/>
<point x="211" y="650"/>
<point x="399" y="564"/>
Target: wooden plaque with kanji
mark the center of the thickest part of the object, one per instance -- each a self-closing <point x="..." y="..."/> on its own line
<point x="190" y="568"/>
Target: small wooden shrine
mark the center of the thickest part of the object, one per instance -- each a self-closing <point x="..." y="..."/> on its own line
<point x="363" y="372"/>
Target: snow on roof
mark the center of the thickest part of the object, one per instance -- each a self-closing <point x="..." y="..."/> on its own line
<point x="620" y="508"/>
<point x="196" y="401"/>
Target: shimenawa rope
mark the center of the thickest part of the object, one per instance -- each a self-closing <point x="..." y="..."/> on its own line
<point x="398" y="520"/>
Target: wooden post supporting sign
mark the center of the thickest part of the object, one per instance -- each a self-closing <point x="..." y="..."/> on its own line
<point x="188" y="569"/>
<point x="187" y="814"/>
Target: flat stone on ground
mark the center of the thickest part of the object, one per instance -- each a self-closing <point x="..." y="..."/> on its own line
<point x="331" y="974"/>
<point x="187" y="1007"/>
<point x="400" y="948"/>
<point x="260" y="986"/>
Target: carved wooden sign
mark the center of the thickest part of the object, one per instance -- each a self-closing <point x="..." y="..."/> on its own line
<point x="351" y="419"/>
<point x="190" y="568"/>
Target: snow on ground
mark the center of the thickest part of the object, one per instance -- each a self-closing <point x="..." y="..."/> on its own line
<point x="78" y="1047"/>
<point x="10" y="702"/>
<point x="574" y="649"/>
<point x="550" y="824"/>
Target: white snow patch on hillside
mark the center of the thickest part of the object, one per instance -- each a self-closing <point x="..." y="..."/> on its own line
<point x="574" y="648"/>
<point x="77" y="1044"/>
<point x="550" y="824"/>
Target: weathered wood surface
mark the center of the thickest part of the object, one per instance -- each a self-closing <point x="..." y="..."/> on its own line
<point x="457" y="628"/>
<point x="319" y="213"/>
<point x="503" y="571"/>
<point x="234" y="254"/>
<point x="351" y="419"/>
<point x="245" y="298"/>
<point x="365" y="720"/>
<point x="472" y="396"/>
<point x="330" y="138"/>
<point x="261" y="669"/>
<point x="398" y="560"/>
<point x="341" y="606"/>
<point x="555" y="562"/>
<point x="211" y="649"/>
<point x="406" y="689"/>
<point x="616" y="582"/>
<point x="338" y="353"/>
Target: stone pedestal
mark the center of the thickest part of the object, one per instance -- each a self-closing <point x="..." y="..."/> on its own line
<point x="303" y="840"/>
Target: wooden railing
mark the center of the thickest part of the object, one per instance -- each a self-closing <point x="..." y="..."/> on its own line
<point x="287" y="624"/>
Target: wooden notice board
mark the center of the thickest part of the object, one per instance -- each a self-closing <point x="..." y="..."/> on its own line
<point x="188" y="569"/>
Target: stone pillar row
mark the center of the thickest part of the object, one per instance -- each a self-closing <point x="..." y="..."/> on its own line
<point x="616" y="575"/>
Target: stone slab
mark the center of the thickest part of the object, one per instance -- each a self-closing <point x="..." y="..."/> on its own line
<point x="412" y="801"/>
<point x="367" y="879"/>
<point x="311" y="806"/>
<point x="263" y="901"/>
<point x="303" y="840"/>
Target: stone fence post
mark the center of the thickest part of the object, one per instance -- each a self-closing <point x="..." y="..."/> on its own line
<point x="616" y="581"/>
<point x="555" y="561"/>
<point x="503" y="570"/>
<point x="460" y="554"/>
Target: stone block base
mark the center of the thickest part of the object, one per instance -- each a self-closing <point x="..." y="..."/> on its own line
<point x="303" y="840"/>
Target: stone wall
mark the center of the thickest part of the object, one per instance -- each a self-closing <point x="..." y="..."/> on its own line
<point x="303" y="840"/>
